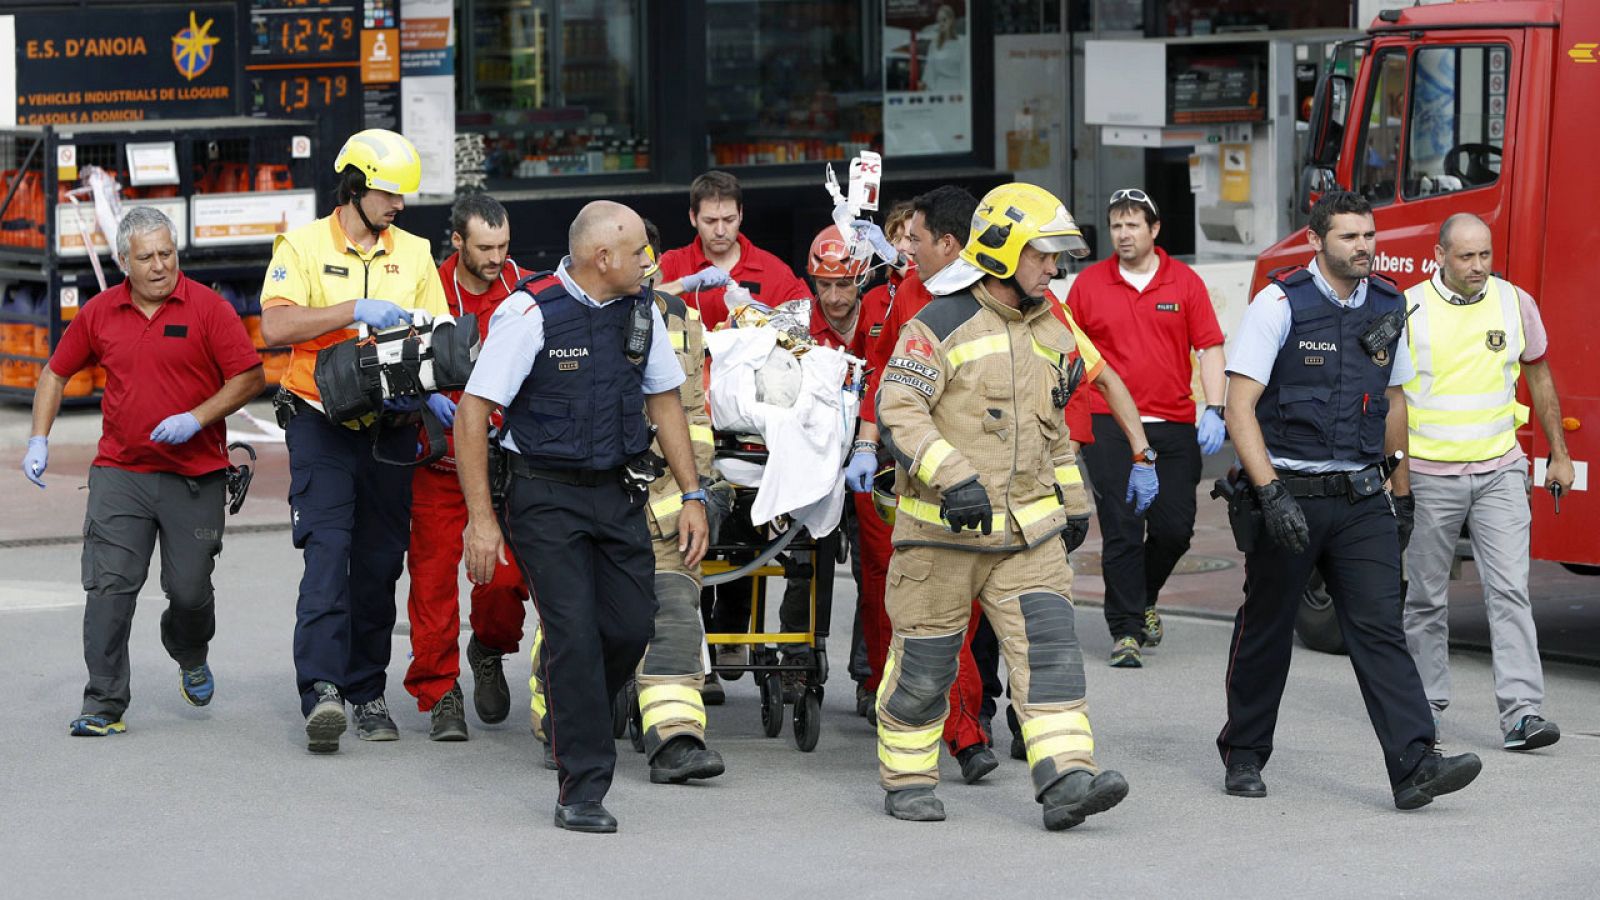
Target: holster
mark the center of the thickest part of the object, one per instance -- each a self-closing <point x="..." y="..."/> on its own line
<point x="1365" y="483"/>
<point x="499" y="474"/>
<point x="1244" y="513"/>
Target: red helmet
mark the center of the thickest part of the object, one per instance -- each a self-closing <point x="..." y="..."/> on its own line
<point x="830" y="256"/>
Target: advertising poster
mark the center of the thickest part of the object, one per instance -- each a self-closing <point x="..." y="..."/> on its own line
<point x="142" y="63"/>
<point x="222" y="220"/>
<point x="927" y="72"/>
<point x="1029" y="114"/>
<point x="428" y="90"/>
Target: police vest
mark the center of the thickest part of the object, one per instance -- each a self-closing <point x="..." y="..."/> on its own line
<point x="1324" y="399"/>
<point x="1462" y="405"/>
<point x="582" y="405"/>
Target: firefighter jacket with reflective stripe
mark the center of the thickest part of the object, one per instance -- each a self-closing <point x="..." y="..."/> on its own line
<point x="1462" y="405"/>
<point x="688" y="343"/>
<point x="975" y="387"/>
<point x="582" y="405"/>
<point x="1324" y="399"/>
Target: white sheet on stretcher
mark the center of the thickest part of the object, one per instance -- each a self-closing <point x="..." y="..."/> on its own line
<point x="806" y="443"/>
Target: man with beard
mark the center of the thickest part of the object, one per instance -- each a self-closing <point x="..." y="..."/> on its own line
<point x="476" y="279"/>
<point x="1315" y="405"/>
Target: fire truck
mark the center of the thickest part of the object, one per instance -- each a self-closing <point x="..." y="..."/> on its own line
<point x="1490" y="108"/>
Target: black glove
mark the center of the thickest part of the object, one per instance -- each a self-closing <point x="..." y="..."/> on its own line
<point x="1286" y="523"/>
<point x="640" y="471"/>
<point x="967" y="506"/>
<point x="1077" y="531"/>
<point x="1405" y="517"/>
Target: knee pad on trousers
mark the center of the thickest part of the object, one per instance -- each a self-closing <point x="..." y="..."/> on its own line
<point x="675" y="649"/>
<point x="1055" y="660"/>
<point x="924" y="670"/>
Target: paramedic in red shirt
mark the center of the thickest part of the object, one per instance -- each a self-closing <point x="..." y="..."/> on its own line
<point x="477" y="277"/>
<point x="719" y="255"/>
<point x="178" y="362"/>
<point x="1147" y="313"/>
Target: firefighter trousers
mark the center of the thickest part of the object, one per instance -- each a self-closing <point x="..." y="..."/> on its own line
<point x="438" y="518"/>
<point x="1024" y="594"/>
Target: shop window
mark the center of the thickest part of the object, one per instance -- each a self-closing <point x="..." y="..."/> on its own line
<point x="555" y="87"/>
<point x="1199" y="17"/>
<point x="1458" y="119"/>
<point x="1377" y="168"/>
<point x="793" y="81"/>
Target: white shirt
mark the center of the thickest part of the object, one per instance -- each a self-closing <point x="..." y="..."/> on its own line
<point x="1139" y="280"/>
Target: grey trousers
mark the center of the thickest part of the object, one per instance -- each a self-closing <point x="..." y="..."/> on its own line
<point x="1495" y="507"/>
<point x="127" y="512"/>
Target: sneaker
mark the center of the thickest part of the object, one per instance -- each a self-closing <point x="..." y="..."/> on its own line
<point x="373" y="722"/>
<point x="1531" y="733"/>
<point x="1078" y="795"/>
<point x="731" y="655"/>
<point x="95" y="726"/>
<point x="197" y="684"/>
<point x="1244" y="780"/>
<point x="977" y="761"/>
<point x="1153" y="631"/>
<point x="1125" y="654"/>
<point x="449" y="716"/>
<point x="711" y="692"/>
<point x="1435" y="776"/>
<point x="491" y="696"/>
<point x="327" y="720"/>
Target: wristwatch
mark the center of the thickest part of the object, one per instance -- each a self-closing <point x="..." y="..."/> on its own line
<point x="694" y="495"/>
<point x="1217" y="408"/>
<point x="1147" y="455"/>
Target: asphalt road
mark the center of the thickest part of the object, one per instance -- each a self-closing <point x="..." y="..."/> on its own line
<point x="225" y="801"/>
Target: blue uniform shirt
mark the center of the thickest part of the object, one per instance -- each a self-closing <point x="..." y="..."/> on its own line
<point x="1261" y="336"/>
<point x="516" y="337"/>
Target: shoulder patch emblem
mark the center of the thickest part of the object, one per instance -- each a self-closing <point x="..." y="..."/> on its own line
<point x="1495" y="340"/>
<point x="279" y="273"/>
<point x="919" y="347"/>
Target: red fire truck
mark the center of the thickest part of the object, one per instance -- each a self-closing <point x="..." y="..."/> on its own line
<point x="1486" y="107"/>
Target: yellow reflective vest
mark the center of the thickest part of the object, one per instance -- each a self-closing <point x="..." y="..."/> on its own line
<point x="1462" y="404"/>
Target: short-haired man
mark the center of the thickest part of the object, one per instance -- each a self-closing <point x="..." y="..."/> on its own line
<point x="476" y="278"/>
<point x="178" y="361"/>
<point x="1473" y="334"/>
<point x="1314" y="407"/>
<point x="351" y="513"/>
<point x="1147" y="312"/>
<point x="720" y="255"/>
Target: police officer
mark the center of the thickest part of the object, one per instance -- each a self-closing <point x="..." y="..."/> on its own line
<point x="576" y="358"/>
<point x="672" y="715"/>
<point x="351" y="514"/>
<point x="1314" y="404"/>
<point x="970" y="406"/>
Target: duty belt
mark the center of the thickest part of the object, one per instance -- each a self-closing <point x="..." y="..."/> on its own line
<point x="1326" y="484"/>
<point x="581" y="477"/>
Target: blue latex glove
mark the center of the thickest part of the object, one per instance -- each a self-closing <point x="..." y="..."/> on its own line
<point x="1211" y="432"/>
<point x="402" y="405"/>
<point x="858" y="474"/>
<point x="380" y="313"/>
<point x="872" y="234"/>
<point x="1142" y="487"/>
<point x="444" y="408"/>
<point x="709" y="277"/>
<point x="176" y="429"/>
<point x="36" y="459"/>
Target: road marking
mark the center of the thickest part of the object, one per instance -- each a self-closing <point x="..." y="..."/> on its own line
<point x="23" y="596"/>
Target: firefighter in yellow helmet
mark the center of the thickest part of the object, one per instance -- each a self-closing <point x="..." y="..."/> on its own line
<point x="971" y="409"/>
<point x="351" y="513"/>
<point x="672" y="717"/>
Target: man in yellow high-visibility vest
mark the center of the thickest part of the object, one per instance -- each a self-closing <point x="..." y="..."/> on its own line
<point x="1471" y="337"/>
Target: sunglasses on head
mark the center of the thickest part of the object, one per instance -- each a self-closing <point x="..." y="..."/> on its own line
<point x="1136" y="196"/>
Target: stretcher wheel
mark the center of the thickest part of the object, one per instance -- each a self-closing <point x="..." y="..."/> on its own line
<point x="771" y="704"/>
<point x="807" y="721"/>
<point x="619" y="711"/>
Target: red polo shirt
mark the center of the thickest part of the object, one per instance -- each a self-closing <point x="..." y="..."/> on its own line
<point x="869" y="324"/>
<point x="156" y="367"/>
<point x="765" y="276"/>
<point x="1147" y="336"/>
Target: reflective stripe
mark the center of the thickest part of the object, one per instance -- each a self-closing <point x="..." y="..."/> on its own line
<point x="909" y="762"/>
<point x="1054" y="358"/>
<point x="534" y="687"/>
<point x="1071" y="720"/>
<point x="700" y="434"/>
<point x="911" y="740"/>
<point x="1037" y="511"/>
<point x="923" y="511"/>
<point x="961" y="354"/>
<point x="680" y="341"/>
<point x="1473" y="431"/>
<point x="539" y="706"/>
<point x="1068" y="475"/>
<point x="667" y="505"/>
<point x="662" y="693"/>
<point x="671" y="711"/>
<point x="933" y="458"/>
<point x="1060" y="745"/>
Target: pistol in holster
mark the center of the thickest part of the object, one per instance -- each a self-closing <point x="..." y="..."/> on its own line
<point x="1244" y="514"/>
<point x="499" y="474"/>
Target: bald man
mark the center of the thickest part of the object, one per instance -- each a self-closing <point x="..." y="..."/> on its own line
<point x="580" y="362"/>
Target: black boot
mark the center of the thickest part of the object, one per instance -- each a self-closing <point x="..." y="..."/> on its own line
<point x="491" y="696"/>
<point x="682" y="758"/>
<point x="589" y="817"/>
<point x="1436" y="775"/>
<point x="914" y="805"/>
<point x="1077" y="795"/>
<point x="449" y="717"/>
